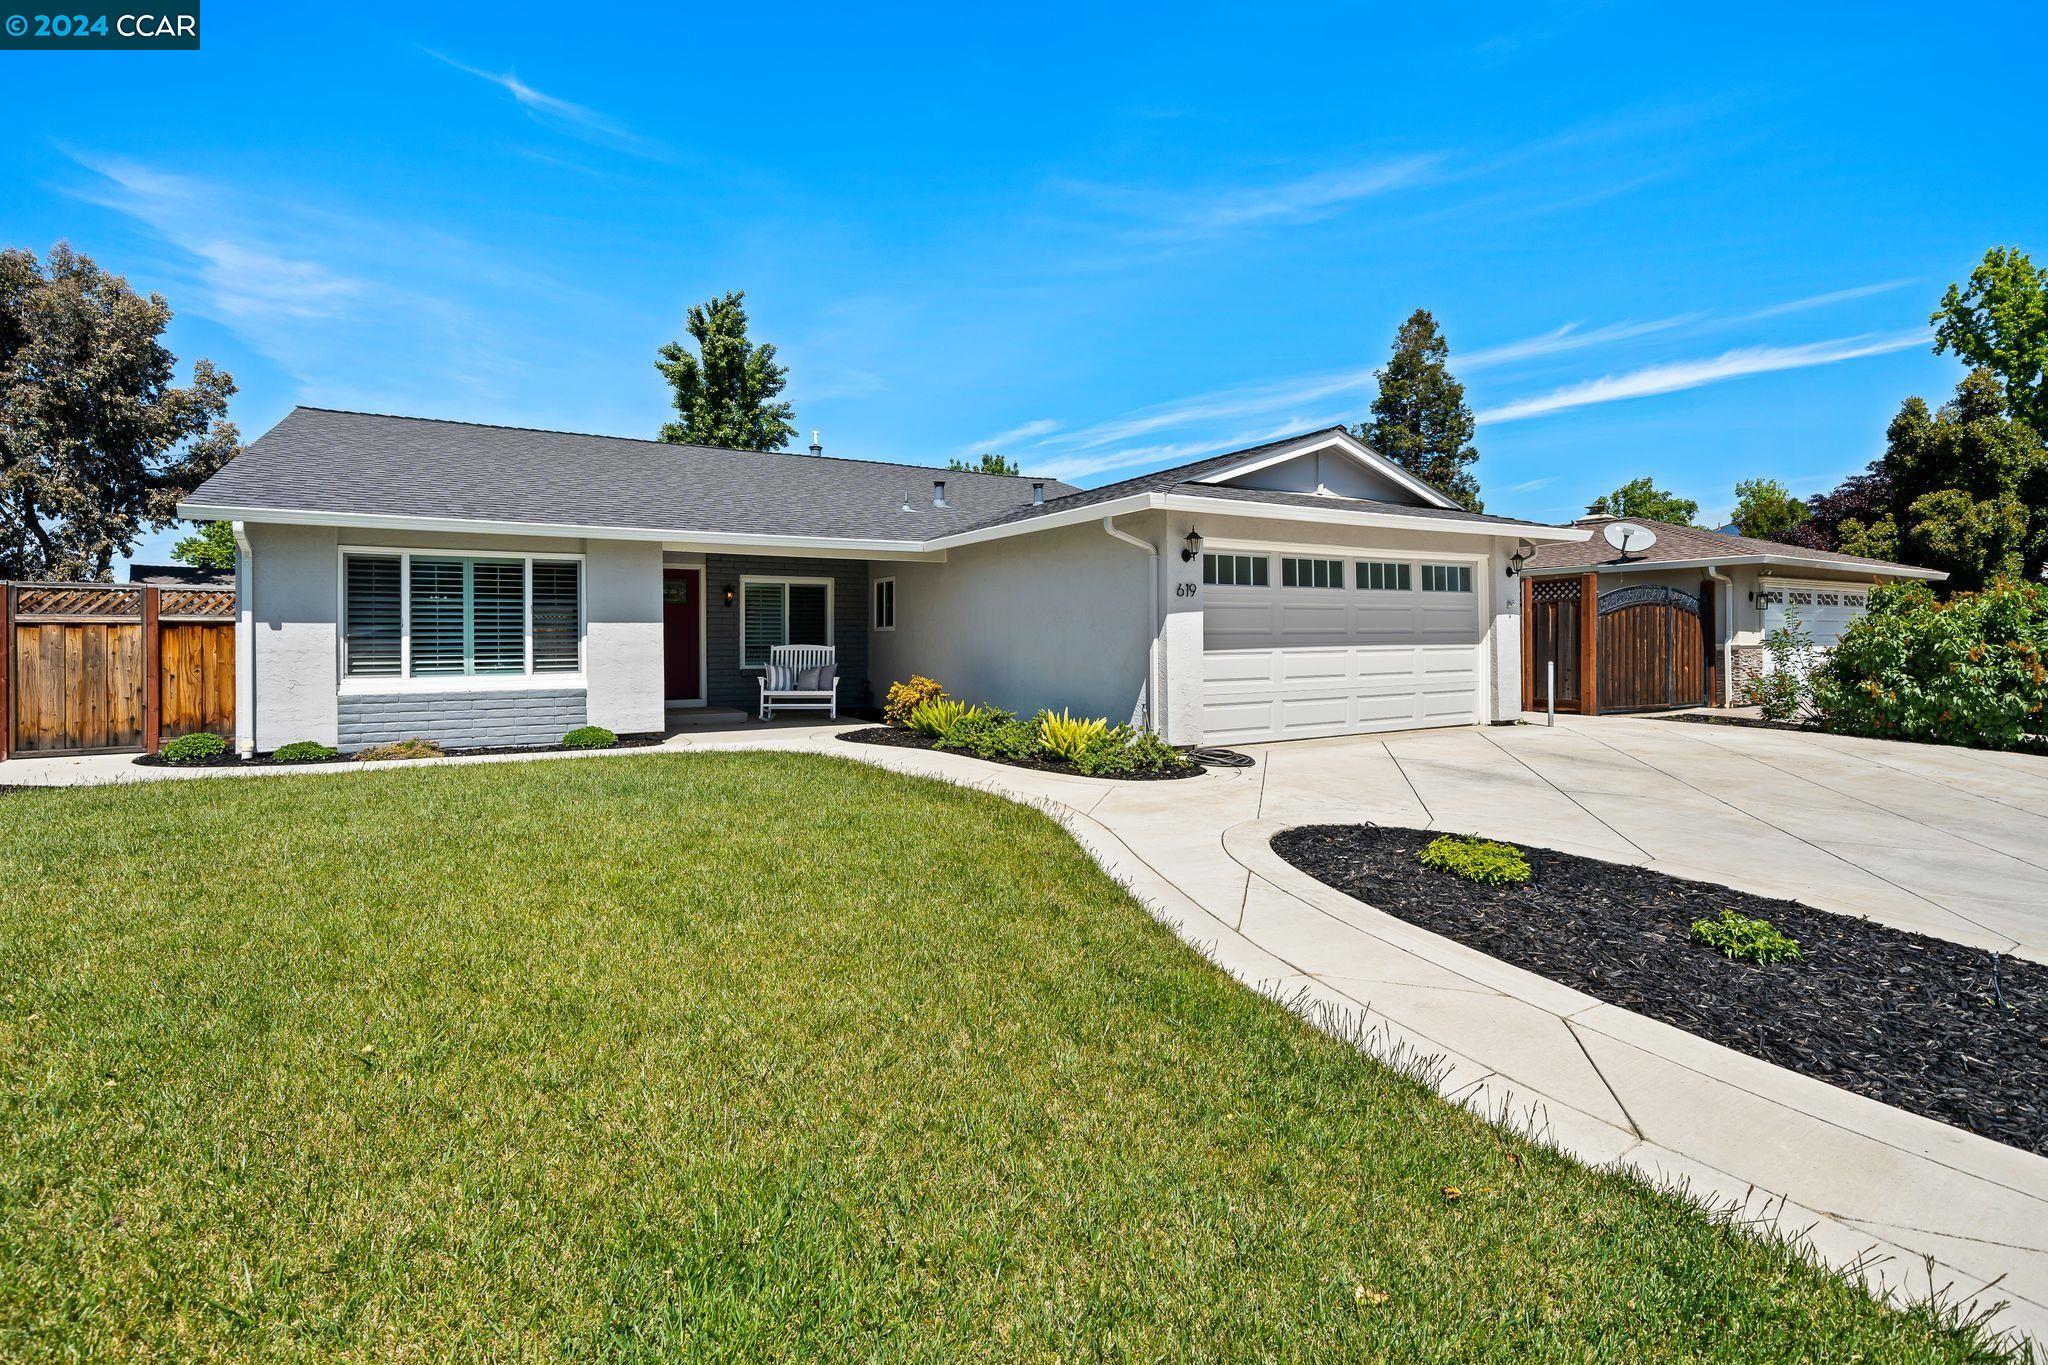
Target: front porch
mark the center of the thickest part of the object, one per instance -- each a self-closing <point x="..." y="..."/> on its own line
<point x="721" y="614"/>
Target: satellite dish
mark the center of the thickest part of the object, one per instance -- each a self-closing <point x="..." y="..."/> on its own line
<point x="1626" y="536"/>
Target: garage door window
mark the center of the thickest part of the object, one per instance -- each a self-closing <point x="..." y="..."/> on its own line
<point x="1447" y="578"/>
<point x="1311" y="573"/>
<point x="1381" y="577"/>
<point x="1234" y="571"/>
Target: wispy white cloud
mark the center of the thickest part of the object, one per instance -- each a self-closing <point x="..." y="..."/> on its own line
<point x="1025" y="431"/>
<point x="1569" y="337"/>
<point x="1217" y="209"/>
<point x="1674" y="376"/>
<point x="561" y="114"/>
<point x="1861" y="291"/>
<point x="1531" y="485"/>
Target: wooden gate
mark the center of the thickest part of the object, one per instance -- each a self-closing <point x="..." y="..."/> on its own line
<point x="104" y="668"/>
<point x="1652" y="649"/>
<point x="1553" y="638"/>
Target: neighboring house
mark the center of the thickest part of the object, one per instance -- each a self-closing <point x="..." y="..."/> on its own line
<point x="490" y="585"/>
<point x="1733" y="590"/>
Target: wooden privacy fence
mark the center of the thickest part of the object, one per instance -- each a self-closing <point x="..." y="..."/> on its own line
<point x="1644" y="647"/>
<point x="107" y="668"/>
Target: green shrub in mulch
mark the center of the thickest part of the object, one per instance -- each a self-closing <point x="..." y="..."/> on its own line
<point x="305" y="751"/>
<point x="1476" y="860"/>
<point x="197" y="748"/>
<point x="1743" y="939"/>
<point x="590" y="737"/>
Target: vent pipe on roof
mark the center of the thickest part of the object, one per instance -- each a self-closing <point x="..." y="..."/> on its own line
<point x="1037" y="494"/>
<point x="816" y="449"/>
<point x="938" y="492"/>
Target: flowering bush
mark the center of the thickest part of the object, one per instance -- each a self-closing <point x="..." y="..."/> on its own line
<point x="1784" y="690"/>
<point x="905" y="697"/>
<point x="1966" y="671"/>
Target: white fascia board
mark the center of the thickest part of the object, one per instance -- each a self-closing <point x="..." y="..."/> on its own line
<point x="475" y="526"/>
<point x="1073" y="516"/>
<point x="1344" y="441"/>
<point x="1739" y="561"/>
<point x="1337" y="516"/>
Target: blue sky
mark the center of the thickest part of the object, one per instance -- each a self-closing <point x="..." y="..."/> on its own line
<point x="1700" y="245"/>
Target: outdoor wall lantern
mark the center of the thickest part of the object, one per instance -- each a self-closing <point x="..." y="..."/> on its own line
<point x="1519" y="558"/>
<point x="728" y="594"/>
<point x="1194" y="546"/>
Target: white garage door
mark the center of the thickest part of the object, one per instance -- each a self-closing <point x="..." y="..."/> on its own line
<point x="1296" y="647"/>
<point x="1824" y="611"/>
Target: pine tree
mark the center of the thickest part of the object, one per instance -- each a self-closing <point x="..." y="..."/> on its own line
<point x="1420" y="419"/>
<point x="725" y="394"/>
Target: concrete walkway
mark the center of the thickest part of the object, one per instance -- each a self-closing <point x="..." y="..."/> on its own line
<point x="1941" y="841"/>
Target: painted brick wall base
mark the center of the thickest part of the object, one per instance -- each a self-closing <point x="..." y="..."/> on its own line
<point x="459" y="720"/>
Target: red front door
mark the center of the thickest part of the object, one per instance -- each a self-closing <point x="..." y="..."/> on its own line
<point x="682" y="640"/>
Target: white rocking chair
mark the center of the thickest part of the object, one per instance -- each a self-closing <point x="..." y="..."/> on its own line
<point x="800" y="678"/>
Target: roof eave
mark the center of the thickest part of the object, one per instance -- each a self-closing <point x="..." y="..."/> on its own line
<point x="1530" y="531"/>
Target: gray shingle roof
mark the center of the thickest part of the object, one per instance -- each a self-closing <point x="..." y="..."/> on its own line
<point x="1685" y="544"/>
<point x="371" y="465"/>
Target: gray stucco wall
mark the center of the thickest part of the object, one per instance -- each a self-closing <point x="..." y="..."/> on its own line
<point x="1056" y="619"/>
<point x="459" y="720"/>
<point x="726" y="683"/>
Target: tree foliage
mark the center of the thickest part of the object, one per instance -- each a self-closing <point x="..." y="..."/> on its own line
<point x="1766" y="509"/>
<point x="97" y="445"/>
<point x="212" y="546"/>
<point x="1642" y="499"/>
<point x="1420" y="419"/>
<point x="1999" y="321"/>
<point x="725" y="394"/>
<point x="989" y="463"/>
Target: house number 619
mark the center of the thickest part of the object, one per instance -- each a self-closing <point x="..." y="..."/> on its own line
<point x="1183" y="590"/>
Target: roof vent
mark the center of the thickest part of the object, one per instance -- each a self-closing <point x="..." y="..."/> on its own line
<point x="816" y="449"/>
<point x="938" y="492"/>
<point x="1037" y="493"/>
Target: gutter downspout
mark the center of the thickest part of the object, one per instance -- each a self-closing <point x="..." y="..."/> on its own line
<point x="1152" y="635"/>
<point x="1723" y="617"/>
<point x="245" y="643"/>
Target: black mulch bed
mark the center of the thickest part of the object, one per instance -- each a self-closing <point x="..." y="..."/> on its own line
<point x="911" y="739"/>
<point x="261" y="761"/>
<point x="1927" y="1025"/>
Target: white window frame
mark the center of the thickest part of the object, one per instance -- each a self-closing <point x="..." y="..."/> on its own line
<point x="875" y="607"/>
<point x="1422" y="575"/>
<point x="1361" y="575"/>
<point x="404" y="681"/>
<point x="1207" y="586"/>
<point x="740" y="605"/>
<point x="1299" y="586"/>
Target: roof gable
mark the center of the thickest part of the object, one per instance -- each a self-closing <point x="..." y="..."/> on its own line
<point x="1332" y="462"/>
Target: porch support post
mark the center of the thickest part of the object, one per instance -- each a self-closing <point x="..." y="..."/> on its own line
<point x="152" y="671"/>
<point x="1589" y="644"/>
<point x="6" y="669"/>
<point x="1528" y="643"/>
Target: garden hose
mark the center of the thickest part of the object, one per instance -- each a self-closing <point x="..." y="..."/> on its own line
<point x="1220" y="758"/>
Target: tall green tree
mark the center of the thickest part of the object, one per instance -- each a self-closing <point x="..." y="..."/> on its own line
<point x="1766" y="509"/>
<point x="1999" y="321"/>
<point x="1642" y="499"/>
<point x="212" y="546"/>
<point x="725" y="394"/>
<point x="1967" y="488"/>
<point x="989" y="463"/>
<point x="97" y="445"/>
<point x="1420" y="419"/>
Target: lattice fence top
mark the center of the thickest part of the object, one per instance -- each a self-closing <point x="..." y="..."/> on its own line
<point x="1554" y="589"/>
<point x="211" y="604"/>
<point x="91" y="600"/>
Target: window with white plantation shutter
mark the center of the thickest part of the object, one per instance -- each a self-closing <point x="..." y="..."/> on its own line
<point x="557" y="616"/>
<point x="437" y="617"/>
<point x="497" y="616"/>
<point x="761" y="622"/>
<point x="371" y="635"/>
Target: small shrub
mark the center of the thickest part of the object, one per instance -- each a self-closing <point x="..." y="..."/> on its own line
<point x="933" y="718"/>
<point x="1785" y="691"/>
<point x="404" y="748"/>
<point x="1743" y="939"/>
<point x="1107" y="753"/>
<point x="304" y="751"/>
<point x="196" y="748"/>
<point x="906" y="697"/>
<point x="1068" y="737"/>
<point x="1972" y="670"/>
<point x="1153" y="754"/>
<point x="589" y="737"/>
<point x="1476" y="860"/>
<point x="993" y="734"/>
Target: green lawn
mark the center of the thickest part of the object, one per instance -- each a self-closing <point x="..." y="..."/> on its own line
<point x="750" y="1056"/>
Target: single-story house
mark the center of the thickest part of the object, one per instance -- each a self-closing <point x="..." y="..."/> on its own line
<point x="1681" y="621"/>
<point x="180" y="576"/>
<point x="486" y="585"/>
